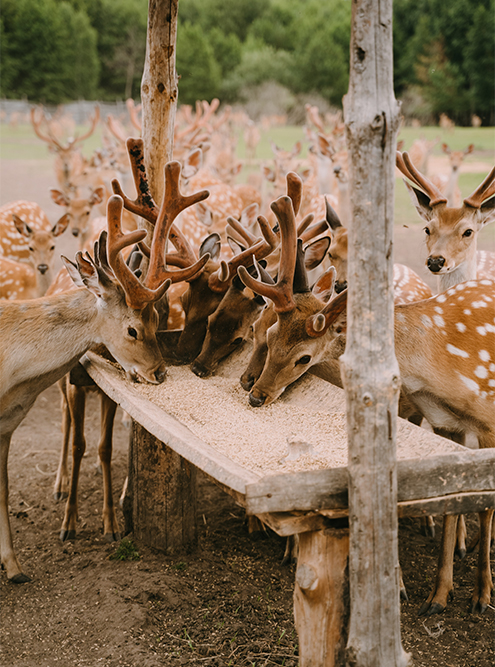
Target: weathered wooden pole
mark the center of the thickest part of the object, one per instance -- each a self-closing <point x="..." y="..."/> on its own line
<point x="369" y="367"/>
<point x="160" y="502"/>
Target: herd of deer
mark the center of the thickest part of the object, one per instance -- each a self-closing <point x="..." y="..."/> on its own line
<point x="250" y="262"/>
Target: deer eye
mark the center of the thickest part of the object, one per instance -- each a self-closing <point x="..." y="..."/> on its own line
<point x="304" y="360"/>
<point x="427" y="231"/>
<point x="468" y="233"/>
<point x="31" y="249"/>
<point x="132" y="332"/>
<point x="237" y="341"/>
<point x="52" y="248"/>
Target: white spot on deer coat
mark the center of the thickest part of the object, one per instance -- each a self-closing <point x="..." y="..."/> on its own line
<point x="461" y="327"/>
<point x="481" y="372"/>
<point x="484" y="355"/>
<point x="456" y="351"/>
<point x="439" y="321"/>
<point x="470" y="384"/>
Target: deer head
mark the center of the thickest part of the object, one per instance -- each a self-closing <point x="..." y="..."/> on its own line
<point x="451" y="233"/>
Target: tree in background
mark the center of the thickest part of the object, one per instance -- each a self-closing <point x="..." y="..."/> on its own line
<point x="50" y="52"/>
<point x="199" y="72"/>
<point x="58" y="50"/>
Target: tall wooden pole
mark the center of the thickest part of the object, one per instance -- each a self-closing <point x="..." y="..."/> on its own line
<point x="369" y="367"/>
<point x="160" y="502"/>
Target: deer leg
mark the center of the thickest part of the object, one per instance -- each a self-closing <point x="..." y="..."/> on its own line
<point x="76" y="398"/>
<point x="7" y="553"/>
<point x="461" y="535"/>
<point x="61" y="486"/>
<point x="484" y="585"/>
<point x="444" y="584"/>
<point x="111" y="531"/>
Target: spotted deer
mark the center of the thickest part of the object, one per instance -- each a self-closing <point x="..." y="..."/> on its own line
<point x="452" y="232"/>
<point x="451" y="239"/>
<point x="449" y="184"/>
<point x="44" y="338"/>
<point x="27" y="250"/>
<point x="78" y="210"/>
<point x="407" y="285"/>
<point x="68" y="161"/>
<point x="445" y="351"/>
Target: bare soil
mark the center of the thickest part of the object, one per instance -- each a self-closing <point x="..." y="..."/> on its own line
<point x="227" y="603"/>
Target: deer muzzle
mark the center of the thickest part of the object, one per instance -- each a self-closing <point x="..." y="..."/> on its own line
<point x="435" y="264"/>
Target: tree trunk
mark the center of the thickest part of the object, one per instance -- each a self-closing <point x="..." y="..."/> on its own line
<point x="160" y="503"/>
<point x="369" y="368"/>
<point x="159" y="91"/>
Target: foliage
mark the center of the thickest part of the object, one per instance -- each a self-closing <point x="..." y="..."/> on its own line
<point x="60" y="62"/>
<point x="444" y="53"/>
<point x="125" y="551"/>
<point x="199" y="72"/>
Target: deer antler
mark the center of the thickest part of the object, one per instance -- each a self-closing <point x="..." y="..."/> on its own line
<point x="405" y="165"/>
<point x="281" y="293"/>
<point x="137" y="295"/>
<point x="146" y="208"/>
<point x="482" y="192"/>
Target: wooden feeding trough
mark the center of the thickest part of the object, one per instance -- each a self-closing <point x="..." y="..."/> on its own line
<point x="289" y="469"/>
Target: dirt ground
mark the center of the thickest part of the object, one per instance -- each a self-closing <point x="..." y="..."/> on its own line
<point x="228" y="603"/>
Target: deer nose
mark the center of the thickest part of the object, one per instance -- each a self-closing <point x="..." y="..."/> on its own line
<point x="75" y="232"/>
<point x="199" y="369"/>
<point x="256" y="401"/>
<point x="247" y="382"/>
<point x="340" y="286"/>
<point x="160" y="374"/>
<point x="42" y="268"/>
<point x="435" y="263"/>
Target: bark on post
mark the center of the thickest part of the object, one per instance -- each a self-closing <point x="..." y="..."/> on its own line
<point x="160" y="503"/>
<point x="369" y="367"/>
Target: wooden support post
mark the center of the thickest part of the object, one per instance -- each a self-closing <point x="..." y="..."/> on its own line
<point x="160" y="503"/>
<point x="321" y="597"/>
<point x="369" y="368"/>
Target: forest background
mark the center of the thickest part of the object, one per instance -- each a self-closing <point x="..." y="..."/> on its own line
<point x="290" y="51"/>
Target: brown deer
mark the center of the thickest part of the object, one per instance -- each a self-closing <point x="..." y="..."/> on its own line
<point x="449" y="184"/>
<point x="444" y="347"/>
<point x="206" y="290"/>
<point x="78" y="210"/>
<point x="69" y="161"/>
<point x="451" y="232"/>
<point x="46" y="337"/>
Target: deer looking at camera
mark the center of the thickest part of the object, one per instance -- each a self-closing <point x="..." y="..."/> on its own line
<point x="452" y="232"/>
<point x="47" y="336"/>
<point x="445" y="350"/>
<point x="27" y="250"/>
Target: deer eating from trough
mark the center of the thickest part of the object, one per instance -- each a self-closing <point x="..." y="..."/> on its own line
<point x="46" y="337"/>
<point x="445" y="351"/>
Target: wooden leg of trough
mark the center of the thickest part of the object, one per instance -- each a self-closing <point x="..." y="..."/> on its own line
<point x="160" y="502"/>
<point x="321" y="597"/>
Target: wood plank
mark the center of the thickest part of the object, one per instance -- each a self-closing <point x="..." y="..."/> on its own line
<point x="467" y="471"/>
<point x="167" y="429"/>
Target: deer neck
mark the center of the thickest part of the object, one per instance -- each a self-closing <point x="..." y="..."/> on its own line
<point x="467" y="270"/>
<point x="51" y="334"/>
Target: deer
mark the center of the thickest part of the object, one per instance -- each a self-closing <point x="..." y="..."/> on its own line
<point x="68" y="162"/>
<point x="444" y="347"/>
<point x="27" y="250"/>
<point x="449" y="185"/>
<point x="78" y="210"/>
<point x="230" y="324"/>
<point x="451" y="240"/>
<point x="452" y="232"/>
<point x="47" y="336"/>
<point x="73" y="397"/>
<point x="204" y="291"/>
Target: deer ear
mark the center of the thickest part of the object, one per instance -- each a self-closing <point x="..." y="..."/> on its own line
<point x="211" y="244"/>
<point x="73" y="272"/>
<point x="323" y="287"/>
<point x="97" y="195"/>
<point x="21" y="226"/>
<point x="61" y="225"/>
<point x="59" y="197"/>
<point x="315" y="252"/>
<point x="487" y="209"/>
<point x="421" y="202"/>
